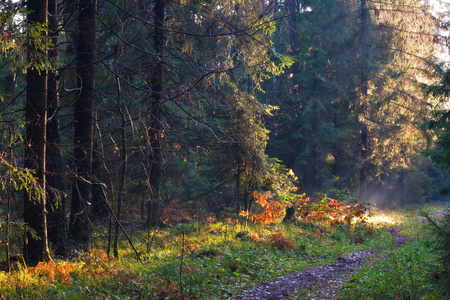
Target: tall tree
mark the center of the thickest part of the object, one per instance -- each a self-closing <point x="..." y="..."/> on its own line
<point x="155" y="134"/>
<point x="293" y="44"/>
<point x="360" y="72"/>
<point x="193" y="104"/>
<point x="440" y="153"/>
<point x="363" y="53"/>
<point x="79" y="227"/>
<point x="36" y="245"/>
<point x="57" y="227"/>
<point x="303" y="131"/>
<point x="393" y="109"/>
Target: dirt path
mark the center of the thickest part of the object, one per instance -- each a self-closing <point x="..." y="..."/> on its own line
<point x="401" y="239"/>
<point x="330" y="277"/>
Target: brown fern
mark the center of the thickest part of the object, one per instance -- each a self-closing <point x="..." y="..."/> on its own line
<point x="279" y="240"/>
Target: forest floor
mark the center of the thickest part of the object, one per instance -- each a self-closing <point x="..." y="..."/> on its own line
<point x="391" y="255"/>
<point x="317" y="283"/>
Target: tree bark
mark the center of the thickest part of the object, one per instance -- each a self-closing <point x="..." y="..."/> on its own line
<point x="99" y="205"/>
<point x="364" y="175"/>
<point x="293" y="44"/>
<point x="35" y="139"/>
<point x="57" y="227"/>
<point x="123" y="173"/>
<point x="79" y="228"/>
<point x="155" y="132"/>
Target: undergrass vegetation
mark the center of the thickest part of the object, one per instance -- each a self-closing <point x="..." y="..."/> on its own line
<point x="213" y="259"/>
<point x="407" y="272"/>
<point x="413" y="271"/>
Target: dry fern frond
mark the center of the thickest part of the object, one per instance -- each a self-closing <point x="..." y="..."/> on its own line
<point x="271" y="214"/>
<point x="279" y="240"/>
<point x="191" y="247"/>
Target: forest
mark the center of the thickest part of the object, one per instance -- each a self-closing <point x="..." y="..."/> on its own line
<point x="220" y="130"/>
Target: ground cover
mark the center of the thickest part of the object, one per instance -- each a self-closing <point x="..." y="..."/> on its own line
<point x="221" y="259"/>
<point x="411" y="271"/>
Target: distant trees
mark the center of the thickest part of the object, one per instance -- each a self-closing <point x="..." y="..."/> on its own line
<point x="359" y="104"/>
<point x="397" y="106"/>
<point x="440" y="154"/>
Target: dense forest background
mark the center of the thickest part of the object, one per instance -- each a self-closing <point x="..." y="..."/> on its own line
<point x="116" y="108"/>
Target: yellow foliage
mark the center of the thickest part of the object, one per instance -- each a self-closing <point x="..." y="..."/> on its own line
<point x="53" y="272"/>
<point x="98" y="265"/>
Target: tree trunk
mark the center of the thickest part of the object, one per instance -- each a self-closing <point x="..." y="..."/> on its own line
<point x="314" y="146"/>
<point x="57" y="227"/>
<point x="123" y="173"/>
<point x="35" y="139"/>
<point x="79" y="228"/>
<point x="401" y="183"/>
<point x="155" y="132"/>
<point x="364" y="174"/>
<point x="364" y="168"/>
<point x="293" y="44"/>
<point x="99" y="206"/>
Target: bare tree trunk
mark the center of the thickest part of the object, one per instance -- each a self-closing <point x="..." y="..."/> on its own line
<point x="155" y="132"/>
<point x="35" y="139"/>
<point x="79" y="228"/>
<point x="8" y="206"/>
<point x="123" y="172"/>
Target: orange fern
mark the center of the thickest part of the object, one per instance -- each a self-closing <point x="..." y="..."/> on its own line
<point x="272" y="211"/>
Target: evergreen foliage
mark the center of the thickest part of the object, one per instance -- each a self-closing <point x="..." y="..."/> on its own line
<point x="441" y="233"/>
<point x="440" y="154"/>
<point x="358" y="103"/>
<point x="144" y="104"/>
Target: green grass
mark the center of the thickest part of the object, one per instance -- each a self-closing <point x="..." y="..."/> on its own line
<point x="408" y="272"/>
<point x="402" y="273"/>
<point x="219" y="260"/>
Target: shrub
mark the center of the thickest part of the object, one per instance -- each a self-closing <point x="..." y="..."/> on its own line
<point x="441" y="232"/>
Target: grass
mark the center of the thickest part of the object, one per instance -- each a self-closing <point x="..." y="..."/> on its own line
<point x="408" y="272"/>
<point x="403" y="273"/>
<point x="217" y="260"/>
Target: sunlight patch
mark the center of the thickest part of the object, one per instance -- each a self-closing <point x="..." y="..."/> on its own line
<point x="382" y="219"/>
